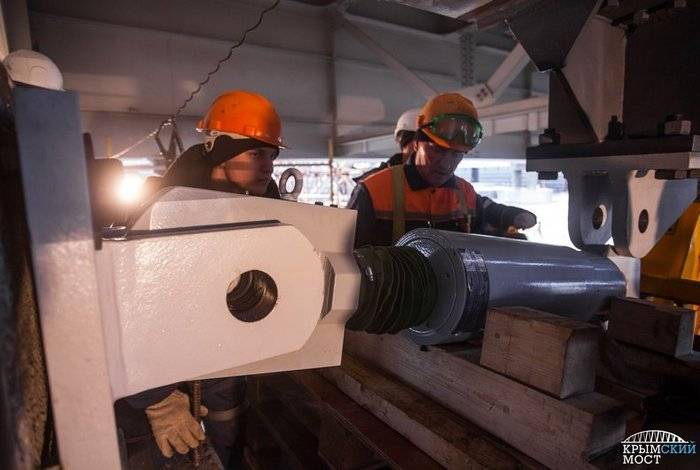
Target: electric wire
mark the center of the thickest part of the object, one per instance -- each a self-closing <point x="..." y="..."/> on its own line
<point x="201" y="84"/>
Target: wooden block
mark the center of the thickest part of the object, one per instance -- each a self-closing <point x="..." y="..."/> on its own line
<point x="662" y="328"/>
<point x="634" y="397"/>
<point x="551" y="353"/>
<point x="450" y="440"/>
<point x="681" y="290"/>
<point x="644" y="368"/>
<point x="557" y="433"/>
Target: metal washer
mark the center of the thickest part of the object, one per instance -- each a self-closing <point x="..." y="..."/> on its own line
<point x="451" y="279"/>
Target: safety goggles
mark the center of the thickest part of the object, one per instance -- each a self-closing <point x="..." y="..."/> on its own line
<point x="457" y="130"/>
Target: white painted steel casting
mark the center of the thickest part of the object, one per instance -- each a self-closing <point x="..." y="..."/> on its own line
<point x="170" y="300"/>
<point x="164" y="288"/>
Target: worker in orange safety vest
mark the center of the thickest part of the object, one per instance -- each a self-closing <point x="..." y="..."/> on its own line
<point x="425" y="192"/>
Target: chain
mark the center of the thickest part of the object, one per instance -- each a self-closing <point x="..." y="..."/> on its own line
<point x="168" y="121"/>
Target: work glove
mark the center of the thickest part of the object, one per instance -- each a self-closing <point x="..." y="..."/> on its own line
<point x="173" y="425"/>
<point x="524" y="219"/>
<point x="502" y="217"/>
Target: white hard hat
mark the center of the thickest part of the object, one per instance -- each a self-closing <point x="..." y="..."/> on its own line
<point x="33" y="68"/>
<point x="407" y="122"/>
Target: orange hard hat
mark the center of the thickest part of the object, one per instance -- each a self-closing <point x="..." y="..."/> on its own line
<point x="461" y="111"/>
<point x="245" y="114"/>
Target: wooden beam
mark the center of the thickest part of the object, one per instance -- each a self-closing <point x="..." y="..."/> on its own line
<point x="450" y="440"/>
<point x="337" y="447"/>
<point x="391" y="446"/>
<point x="634" y="398"/>
<point x="341" y="450"/>
<point x="557" y="433"/>
<point x="662" y="328"/>
<point x="554" y="354"/>
<point x="300" y="404"/>
<point x="646" y="368"/>
<point x="298" y="444"/>
<point x="682" y="290"/>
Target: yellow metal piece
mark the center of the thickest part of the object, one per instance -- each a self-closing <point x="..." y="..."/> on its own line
<point x="676" y="249"/>
<point x="672" y="269"/>
<point x="691" y="267"/>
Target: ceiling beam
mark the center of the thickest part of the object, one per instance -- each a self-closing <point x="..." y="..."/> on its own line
<point x="423" y="88"/>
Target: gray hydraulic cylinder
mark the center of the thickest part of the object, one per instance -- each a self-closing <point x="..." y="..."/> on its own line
<point x="476" y="272"/>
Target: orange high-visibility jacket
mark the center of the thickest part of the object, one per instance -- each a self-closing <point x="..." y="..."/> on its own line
<point x="386" y="212"/>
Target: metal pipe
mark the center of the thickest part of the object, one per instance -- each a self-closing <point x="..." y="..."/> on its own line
<point x="476" y="272"/>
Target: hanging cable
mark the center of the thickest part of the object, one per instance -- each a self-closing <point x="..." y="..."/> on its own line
<point x="135" y="144"/>
<point x="218" y="65"/>
<point x="200" y="85"/>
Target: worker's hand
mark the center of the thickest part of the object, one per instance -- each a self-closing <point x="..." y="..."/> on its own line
<point x="524" y="219"/>
<point x="173" y="425"/>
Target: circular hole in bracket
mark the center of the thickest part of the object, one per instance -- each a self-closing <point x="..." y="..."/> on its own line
<point x="290" y="184"/>
<point x="599" y="218"/>
<point x="252" y="296"/>
<point x="643" y="222"/>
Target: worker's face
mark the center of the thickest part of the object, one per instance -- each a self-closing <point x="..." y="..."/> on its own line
<point x="251" y="170"/>
<point x="436" y="164"/>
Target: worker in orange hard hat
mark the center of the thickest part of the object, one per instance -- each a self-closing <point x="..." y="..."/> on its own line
<point x="241" y="138"/>
<point x="424" y="192"/>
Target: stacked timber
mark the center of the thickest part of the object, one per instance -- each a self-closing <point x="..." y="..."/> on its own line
<point x="648" y="348"/>
<point x="531" y="386"/>
<point x="302" y="420"/>
<point x="535" y="392"/>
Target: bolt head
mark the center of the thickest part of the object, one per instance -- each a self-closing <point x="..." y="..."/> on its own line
<point x="681" y="127"/>
<point x="640" y="17"/>
<point x="680" y="4"/>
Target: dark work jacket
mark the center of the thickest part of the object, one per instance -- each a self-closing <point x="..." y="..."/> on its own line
<point x="373" y="228"/>
<point x="395" y="159"/>
<point x="191" y="169"/>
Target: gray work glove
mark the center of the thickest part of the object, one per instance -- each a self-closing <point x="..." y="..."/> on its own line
<point x="173" y="425"/>
<point x="524" y="219"/>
